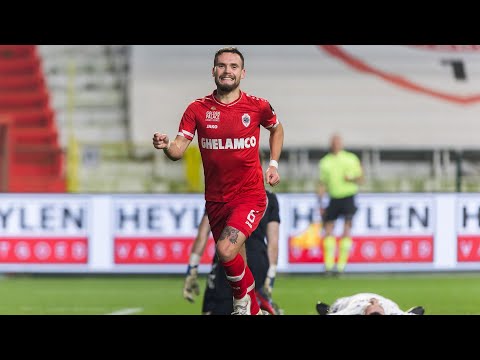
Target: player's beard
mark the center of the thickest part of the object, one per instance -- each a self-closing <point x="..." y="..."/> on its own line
<point x="224" y="88"/>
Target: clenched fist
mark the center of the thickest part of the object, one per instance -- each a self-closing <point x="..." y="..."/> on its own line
<point x="161" y="141"/>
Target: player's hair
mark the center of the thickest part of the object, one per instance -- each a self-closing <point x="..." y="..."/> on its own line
<point x="375" y="313"/>
<point x="229" y="49"/>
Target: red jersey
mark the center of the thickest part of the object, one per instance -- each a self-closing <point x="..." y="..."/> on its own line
<point x="228" y="137"/>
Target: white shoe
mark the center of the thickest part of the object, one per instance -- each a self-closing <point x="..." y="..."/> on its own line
<point x="242" y="306"/>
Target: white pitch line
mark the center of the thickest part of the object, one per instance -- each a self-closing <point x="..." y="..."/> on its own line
<point x="126" y="311"/>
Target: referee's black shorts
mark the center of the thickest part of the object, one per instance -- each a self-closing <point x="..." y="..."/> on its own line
<point x="340" y="207"/>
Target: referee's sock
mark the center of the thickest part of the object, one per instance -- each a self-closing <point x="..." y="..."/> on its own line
<point x="344" y="247"/>
<point x="329" y="245"/>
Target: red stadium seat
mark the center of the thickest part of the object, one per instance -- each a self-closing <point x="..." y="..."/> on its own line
<point x="35" y="159"/>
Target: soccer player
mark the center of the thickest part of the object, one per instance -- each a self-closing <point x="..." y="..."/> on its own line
<point x="262" y="258"/>
<point x="340" y="175"/>
<point x="365" y="304"/>
<point x="228" y="124"/>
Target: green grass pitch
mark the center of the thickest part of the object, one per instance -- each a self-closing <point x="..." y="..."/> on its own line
<point x="439" y="293"/>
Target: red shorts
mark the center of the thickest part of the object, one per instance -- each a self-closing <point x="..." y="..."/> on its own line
<point x="243" y="214"/>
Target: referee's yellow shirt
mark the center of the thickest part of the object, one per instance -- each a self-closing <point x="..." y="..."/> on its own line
<point x="334" y="168"/>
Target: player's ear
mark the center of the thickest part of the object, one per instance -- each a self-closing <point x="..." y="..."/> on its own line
<point x="242" y="75"/>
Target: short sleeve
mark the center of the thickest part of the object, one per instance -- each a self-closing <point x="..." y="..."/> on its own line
<point x="188" y="125"/>
<point x="356" y="166"/>
<point x="269" y="118"/>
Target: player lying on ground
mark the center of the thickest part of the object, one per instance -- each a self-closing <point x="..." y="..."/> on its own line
<point x="365" y="304"/>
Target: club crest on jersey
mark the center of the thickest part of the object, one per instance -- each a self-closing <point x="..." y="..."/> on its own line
<point x="245" y="120"/>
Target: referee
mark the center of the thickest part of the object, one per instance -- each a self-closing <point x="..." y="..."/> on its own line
<point x="340" y="174"/>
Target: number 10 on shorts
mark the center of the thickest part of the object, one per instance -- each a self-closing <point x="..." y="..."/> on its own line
<point x="250" y="218"/>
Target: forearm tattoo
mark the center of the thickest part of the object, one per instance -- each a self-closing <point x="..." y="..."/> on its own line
<point x="230" y="233"/>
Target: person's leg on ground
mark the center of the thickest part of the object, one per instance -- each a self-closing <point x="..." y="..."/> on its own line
<point x="218" y="293"/>
<point x="257" y="260"/>
<point x="209" y="295"/>
<point x="322" y="308"/>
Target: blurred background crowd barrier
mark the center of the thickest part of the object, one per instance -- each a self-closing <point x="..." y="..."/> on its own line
<point x="141" y="233"/>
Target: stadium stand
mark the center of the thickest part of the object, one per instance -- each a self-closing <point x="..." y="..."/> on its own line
<point x="89" y="87"/>
<point x="109" y="99"/>
<point x="35" y="158"/>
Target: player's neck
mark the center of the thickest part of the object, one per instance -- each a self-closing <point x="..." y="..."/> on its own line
<point x="227" y="97"/>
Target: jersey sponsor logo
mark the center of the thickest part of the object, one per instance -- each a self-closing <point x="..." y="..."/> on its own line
<point x="212" y="116"/>
<point x="245" y="120"/>
<point x="446" y="72"/>
<point x="212" y="126"/>
<point x="226" y="144"/>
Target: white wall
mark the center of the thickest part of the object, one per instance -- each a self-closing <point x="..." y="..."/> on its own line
<point x="315" y="94"/>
